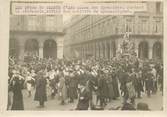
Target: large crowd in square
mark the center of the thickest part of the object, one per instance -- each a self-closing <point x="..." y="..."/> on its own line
<point x="84" y="79"/>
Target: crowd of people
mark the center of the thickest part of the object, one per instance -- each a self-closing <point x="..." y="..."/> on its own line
<point x="93" y="82"/>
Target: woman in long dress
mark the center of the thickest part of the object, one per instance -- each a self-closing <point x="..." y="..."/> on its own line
<point x="131" y="91"/>
<point x="110" y="88"/>
<point x="17" y="86"/>
<point x="115" y="85"/>
<point x="62" y="89"/>
<point x="29" y="81"/>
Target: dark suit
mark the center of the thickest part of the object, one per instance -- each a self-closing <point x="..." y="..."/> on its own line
<point x="83" y="102"/>
<point x="72" y="88"/>
<point x="115" y="85"/>
<point x="149" y="84"/>
<point x="40" y="94"/>
<point x="17" y="95"/>
<point x="103" y="91"/>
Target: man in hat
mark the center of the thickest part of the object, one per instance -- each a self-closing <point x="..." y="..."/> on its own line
<point x="62" y="89"/>
<point x="154" y="74"/>
<point x="52" y="80"/>
<point x="149" y="83"/>
<point x="102" y="88"/>
<point x="17" y="82"/>
<point x="92" y="85"/>
<point x="84" y="96"/>
<point x="40" y="94"/>
<point x="72" y="91"/>
<point x="115" y="84"/>
<point x="123" y="76"/>
<point x="128" y="106"/>
<point x="142" y="106"/>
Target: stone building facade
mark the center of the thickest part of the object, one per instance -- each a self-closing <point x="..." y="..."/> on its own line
<point x="39" y="35"/>
<point x="100" y="36"/>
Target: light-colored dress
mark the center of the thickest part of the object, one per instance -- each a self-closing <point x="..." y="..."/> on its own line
<point x="29" y="85"/>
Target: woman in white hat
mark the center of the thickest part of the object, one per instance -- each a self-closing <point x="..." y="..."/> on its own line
<point x="29" y="80"/>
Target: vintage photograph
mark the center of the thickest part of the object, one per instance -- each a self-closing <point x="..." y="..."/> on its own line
<point x="87" y="62"/>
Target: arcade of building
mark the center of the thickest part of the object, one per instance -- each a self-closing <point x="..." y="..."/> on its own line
<point x="40" y="36"/>
<point x="90" y="35"/>
<point x="149" y="47"/>
<point x="42" y="44"/>
<point x="100" y="36"/>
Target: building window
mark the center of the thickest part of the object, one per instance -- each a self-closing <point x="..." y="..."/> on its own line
<point x="84" y="34"/>
<point x="115" y="25"/>
<point x="88" y="34"/>
<point x="107" y="26"/>
<point x="116" y="30"/>
<point x="157" y="27"/>
<point x="144" y="26"/>
<point x="128" y="27"/>
<point x="99" y="30"/>
<point x="95" y="31"/>
<point x="32" y="23"/>
<point x="50" y="23"/>
<point x="103" y="28"/>
<point x="158" y="7"/>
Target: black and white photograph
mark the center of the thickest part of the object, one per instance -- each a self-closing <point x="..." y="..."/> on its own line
<point x="87" y="62"/>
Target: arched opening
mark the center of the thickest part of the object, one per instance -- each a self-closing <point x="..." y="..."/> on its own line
<point x="103" y="50"/>
<point x="86" y="50"/>
<point x="96" y="50"/>
<point x="83" y="51"/>
<point x="50" y="49"/>
<point x="143" y="50"/>
<point x="13" y="48"/>
<point x="89" y="50"/>
<point x="31" y="47"/>
<point x="113" y="49"/>
<point x="108" y="50"/>
<point x="157" y="50"/>
<point x="99" y="48"/>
